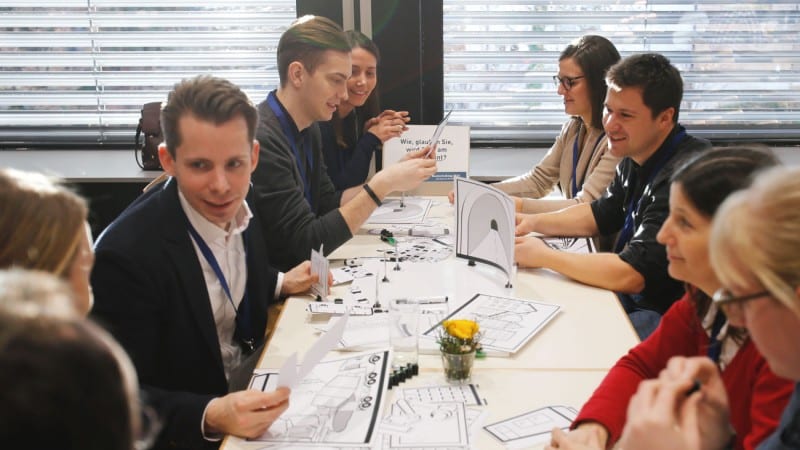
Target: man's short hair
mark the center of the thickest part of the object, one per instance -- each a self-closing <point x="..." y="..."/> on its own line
<point x="207" y="98"/>
<point x="306" y="41"/>
<point x="659" y="80"/>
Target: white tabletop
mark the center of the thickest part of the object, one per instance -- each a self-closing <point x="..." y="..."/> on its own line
<point x="561" y="365"/>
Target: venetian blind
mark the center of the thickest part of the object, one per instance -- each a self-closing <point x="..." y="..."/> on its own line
<point x="76" y="72"/>
<point x="740" y="62"/>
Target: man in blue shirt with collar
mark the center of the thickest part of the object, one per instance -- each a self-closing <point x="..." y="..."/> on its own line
<point x="641" y="121"/>
<point x="302" y="207"/>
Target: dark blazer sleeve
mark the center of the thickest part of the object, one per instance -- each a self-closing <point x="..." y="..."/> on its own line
<point x="291" y="228"/>
<point x="130" y="306"/>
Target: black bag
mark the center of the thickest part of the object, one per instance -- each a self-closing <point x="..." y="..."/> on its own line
<point x="150" y="125"/>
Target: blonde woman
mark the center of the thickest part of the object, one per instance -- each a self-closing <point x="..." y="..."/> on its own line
<point x="43" y="227"/>
<point x="755" y="252"/>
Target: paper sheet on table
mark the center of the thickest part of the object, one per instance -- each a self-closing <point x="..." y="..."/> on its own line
<point x="413" y="210"/>
<point x="578" y="245"/>
<point x="290" y="374"/>
<point x="533" y="427"/>
<point x="506" y="323"/>
<point x="372" y="331"/>
<point x="467" y="394"/>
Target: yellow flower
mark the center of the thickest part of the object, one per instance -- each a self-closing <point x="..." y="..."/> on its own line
<point x="461" y="328"/>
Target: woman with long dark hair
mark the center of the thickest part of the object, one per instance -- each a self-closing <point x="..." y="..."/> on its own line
<point x="352" y="139"/>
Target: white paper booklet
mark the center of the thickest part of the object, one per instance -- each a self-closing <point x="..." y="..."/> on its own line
<point x="506" y="324"/>
<point x="336" y="405"/>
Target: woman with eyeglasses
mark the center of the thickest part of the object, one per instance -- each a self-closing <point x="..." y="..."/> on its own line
<point x="694" y="325"/>
<point x="755" y="252"/>
<point x="579" y="161"/>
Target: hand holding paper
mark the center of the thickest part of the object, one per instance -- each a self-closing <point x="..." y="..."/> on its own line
<point x="438" y="133"/>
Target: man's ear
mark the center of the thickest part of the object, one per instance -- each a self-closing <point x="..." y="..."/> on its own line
<point x="167" y="162"/>
<point x="665" y="119"/>
<point x="254" y="155"/>
<point x="296" y="73"/>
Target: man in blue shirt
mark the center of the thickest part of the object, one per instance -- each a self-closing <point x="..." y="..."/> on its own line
<point x="641" y="122"/>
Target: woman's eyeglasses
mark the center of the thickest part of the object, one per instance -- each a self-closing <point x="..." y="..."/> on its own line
<point x="725" y="297"/>
<point x="567" y="82"/>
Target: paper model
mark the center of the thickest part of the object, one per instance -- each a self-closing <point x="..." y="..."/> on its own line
<point x="484" y="224"/>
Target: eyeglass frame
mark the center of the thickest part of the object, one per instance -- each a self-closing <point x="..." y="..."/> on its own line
<point x="724" y="297"/>
<point x="567" y="82"/>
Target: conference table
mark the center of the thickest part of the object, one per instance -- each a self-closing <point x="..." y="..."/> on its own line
<point x="561" y="365"/>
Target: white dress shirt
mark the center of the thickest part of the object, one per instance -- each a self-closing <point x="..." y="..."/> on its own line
<point x="228" y="248"/>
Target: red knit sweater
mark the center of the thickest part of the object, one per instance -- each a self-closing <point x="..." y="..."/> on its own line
<point x="756" y="395"/>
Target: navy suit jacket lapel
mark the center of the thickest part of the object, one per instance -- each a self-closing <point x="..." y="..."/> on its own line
<point x="188" y="271"/>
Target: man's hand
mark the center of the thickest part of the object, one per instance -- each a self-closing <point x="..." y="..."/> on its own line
<point x="517" y="203"/>
<point x="531" y="251"/>
<point x="451" y="196"/>
<point x="588" y="436"/>
<point x="526" y="223"/>
<point x="247" y="414"/>
<point x="405" y="175"/>
<point x="388" y="124"/>
<point x="298" y="280"/>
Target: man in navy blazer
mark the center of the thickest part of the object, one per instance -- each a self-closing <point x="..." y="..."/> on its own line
<point x="181" y="277"/>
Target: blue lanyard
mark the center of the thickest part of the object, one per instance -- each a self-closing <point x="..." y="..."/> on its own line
<point x="576" y="155"/>
<point x="714" y="344"/>
<point x="288" y="131"/>
<point x="627" y="230"/>
<point x="242" y="333"/>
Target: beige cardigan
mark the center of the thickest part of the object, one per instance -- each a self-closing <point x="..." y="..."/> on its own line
<point x="596" y="168"/>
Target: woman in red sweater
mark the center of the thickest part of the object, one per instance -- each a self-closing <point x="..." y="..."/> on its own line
<point x="692" y="326"/>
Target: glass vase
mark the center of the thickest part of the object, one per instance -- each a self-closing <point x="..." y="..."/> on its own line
<point x="458" y="366"/>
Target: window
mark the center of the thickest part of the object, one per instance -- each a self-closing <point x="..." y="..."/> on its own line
<point x="76" y="72"/>
<point x="740" y="62"/>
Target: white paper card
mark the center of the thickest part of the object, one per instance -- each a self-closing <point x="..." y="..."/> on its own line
<point x="290" y="374"/>
<point x="319" y="267"/>
<point x="452" y="150"/>
<point x="533" y="427"/>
